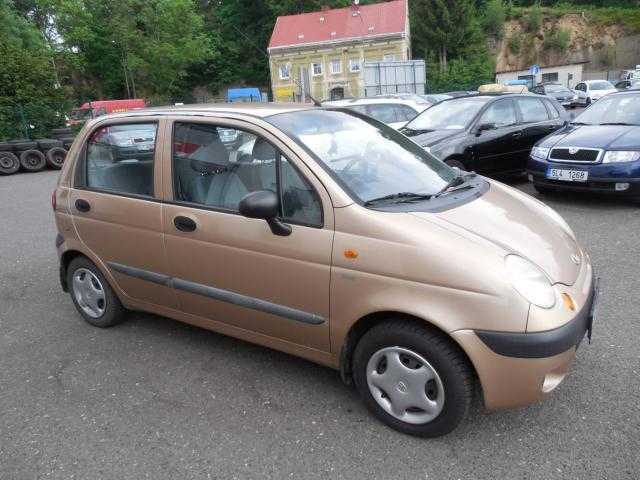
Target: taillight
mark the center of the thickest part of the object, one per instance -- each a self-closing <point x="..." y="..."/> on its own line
<point x="53" y="200"/>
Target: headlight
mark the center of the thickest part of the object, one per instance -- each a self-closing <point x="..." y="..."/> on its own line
<point x="540" y="152"/>
<point x="530" y="282"/>
<point x="615" y="157"/>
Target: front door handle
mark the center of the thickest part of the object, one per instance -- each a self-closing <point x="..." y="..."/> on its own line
<point x="517" y="134"/>
<point x="82" y="205"/>
<point x="184" y="224"/>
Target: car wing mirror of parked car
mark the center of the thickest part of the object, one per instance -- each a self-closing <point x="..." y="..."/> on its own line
<point x="264" y="204"/>
<point x="485" y="126"/>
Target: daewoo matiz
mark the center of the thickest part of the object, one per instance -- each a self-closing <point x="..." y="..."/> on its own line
<point x="327" y="235"/>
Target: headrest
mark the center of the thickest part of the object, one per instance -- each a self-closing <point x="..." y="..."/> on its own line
<point x="263" y="150"/>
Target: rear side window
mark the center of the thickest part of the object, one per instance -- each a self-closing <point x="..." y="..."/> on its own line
<point x="384" y="113"/>
<point x="119" y="158"/>
<point x="405" y="113"/>
<point x="216" y="167"/>
<point x="532" y="110"/>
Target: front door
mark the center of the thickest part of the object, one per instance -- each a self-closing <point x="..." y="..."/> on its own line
<point x="495" y="148"/>
<point x="116" y="205"/>
<point x="232" y="269"/>
<point x="537" y="123"/>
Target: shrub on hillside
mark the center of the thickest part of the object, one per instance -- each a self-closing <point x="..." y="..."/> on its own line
<point x="494" y="18"/>
<point x="557" y="39"/>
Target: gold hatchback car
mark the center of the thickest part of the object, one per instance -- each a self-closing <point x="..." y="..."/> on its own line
<point x="328" y="235"/>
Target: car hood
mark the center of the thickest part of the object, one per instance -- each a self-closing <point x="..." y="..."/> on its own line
<point x="434" y="137"/>
<point x="514" y="222"/>
<point x="561" y="95"/>
<point x="607" y="137"/>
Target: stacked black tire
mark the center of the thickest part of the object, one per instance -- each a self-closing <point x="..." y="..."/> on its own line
<point x="35" y="155"/>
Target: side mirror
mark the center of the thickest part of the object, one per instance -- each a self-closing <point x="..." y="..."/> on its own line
<point x="485" y="126"/>
<point x="264" y="204"/>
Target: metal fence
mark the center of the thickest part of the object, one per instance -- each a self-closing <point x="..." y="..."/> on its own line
<point x="611" y="75"/>
<point x="28" y="120"/>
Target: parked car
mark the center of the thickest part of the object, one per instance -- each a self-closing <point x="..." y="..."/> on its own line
<point x="490" y="134"/>
<point x="336" y="239"/>
<point x="595" y="89"/>
<point x="581" y="99"/>
<point x="565" y="97"/>
<point x="627" y="84"/>
<point x="96" y="108"/>
<point x="598" y="152"/>
<point x="392" y="110"/>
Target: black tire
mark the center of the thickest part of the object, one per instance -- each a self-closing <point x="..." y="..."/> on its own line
<point x="46" y="144"/>
<point x="9" y="163"/>
<point x="23" y="145"/>
<point x="61" y="132"/>
<point x="454" y="163"/>
<point x="55" y="157"/>
<point x="440" y="352"/>
<point x="114" y="313"/>
<point x="67" y="142"/>
<point x="33" y="160"/>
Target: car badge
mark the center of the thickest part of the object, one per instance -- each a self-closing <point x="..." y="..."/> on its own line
<point x="575" y="259"/>
<point x="573" y="150"/>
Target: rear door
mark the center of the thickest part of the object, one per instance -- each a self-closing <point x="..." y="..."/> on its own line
<point x="537" y="122"/>
<point x="116" y="205"/>
<point x="233" y="270"/>
<point x="495" y="150"/>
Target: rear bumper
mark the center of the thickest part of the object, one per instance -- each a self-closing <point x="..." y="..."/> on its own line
<point x="517" y="369"/>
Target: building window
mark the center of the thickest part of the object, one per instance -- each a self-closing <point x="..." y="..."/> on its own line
<point x="389" y="57"/>
<point x="316" y="69"/>
<point x="285" y="71"/>
<point x="354" y="65"/>
<point x="336" y="66"/>
<point x="550" y="77"/>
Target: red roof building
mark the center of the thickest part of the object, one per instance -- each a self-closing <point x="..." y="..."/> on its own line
<point x="323" y="52"/>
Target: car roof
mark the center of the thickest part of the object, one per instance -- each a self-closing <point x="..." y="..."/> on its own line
<point x="374" y="101"/>
<point x="255" y="109"/>
<point x="593" y="81"/>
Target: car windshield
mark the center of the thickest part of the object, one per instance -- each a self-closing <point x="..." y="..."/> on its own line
<point x="601" y="85"/>
<point x="369" y="159"/>
<point x="555" y="88"/>
<point x="617" y="109"/>
<point x="450" y="115"/>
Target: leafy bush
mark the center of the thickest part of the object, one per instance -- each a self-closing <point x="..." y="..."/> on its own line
<point x="533" y="21"/>
<point x="494" y="18"/>
<point x="514" y="43"/>
<point x="558" y="39"/>
<point x="461" y="74"/>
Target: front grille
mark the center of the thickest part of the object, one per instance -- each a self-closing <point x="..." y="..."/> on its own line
<point x="580" y="155"/>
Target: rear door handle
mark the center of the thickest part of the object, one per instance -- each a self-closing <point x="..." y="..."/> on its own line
<point x="184" y="224"/>
<point x="82" y="205"/>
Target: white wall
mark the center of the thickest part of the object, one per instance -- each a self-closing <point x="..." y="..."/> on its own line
<point x="563" y="72"/>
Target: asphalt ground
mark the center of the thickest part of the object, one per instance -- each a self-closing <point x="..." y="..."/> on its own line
<point x="154" y="398"/>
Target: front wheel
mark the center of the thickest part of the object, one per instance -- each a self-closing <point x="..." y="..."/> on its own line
<point x="92" y="295"/>
<point x="413" y="379"/>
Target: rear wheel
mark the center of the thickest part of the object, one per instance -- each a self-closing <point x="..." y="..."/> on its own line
<point x="55" y="157"/>
<point x="92" y="295"/>
<point x="33" y="160"/>
<point x="412" y="378"/>
<point x="9" y="163"/>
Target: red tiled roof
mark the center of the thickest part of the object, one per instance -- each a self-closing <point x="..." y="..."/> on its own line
<point x="372" y="20"/>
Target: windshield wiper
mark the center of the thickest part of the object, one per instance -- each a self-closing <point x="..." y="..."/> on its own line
<point x="401" y="197"/>
<point x="624" y="124"/>
<point x="457" y="181"/>
<point x="411" y="132"/>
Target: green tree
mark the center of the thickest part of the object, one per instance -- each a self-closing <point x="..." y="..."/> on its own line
<point x="493" y="18"/>
<point x="446" y="28"/>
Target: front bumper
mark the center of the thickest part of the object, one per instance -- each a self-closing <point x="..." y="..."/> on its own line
<point x="517" y="369"/>
<point x="602" y="177"/>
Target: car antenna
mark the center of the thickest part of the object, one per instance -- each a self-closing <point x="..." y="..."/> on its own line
<point x="266" y="55"/>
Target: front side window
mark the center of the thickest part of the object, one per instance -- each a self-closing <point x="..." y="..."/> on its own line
<point x="552" y="110"/>
<point x="354" y="65"/>
<point x="500" y="114"/>
<point x="285" y="71"/>
<point x="336" y="66"/>
<point x="384" y="112"/>
<point x="532" y="110"/>
<point x="316" y="69"/>
<point x="119" y="158"/>
<point x="369" y="160"/>
<point x="601" y="85"/>
<point x="404" y="113"/>
<point x="217" y="166"/>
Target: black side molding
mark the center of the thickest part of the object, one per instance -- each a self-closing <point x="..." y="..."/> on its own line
<point x="219" y="294"/>
<point x="547" y="343"/>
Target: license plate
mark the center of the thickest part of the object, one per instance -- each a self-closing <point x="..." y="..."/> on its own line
<point x="567" y="175"/>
